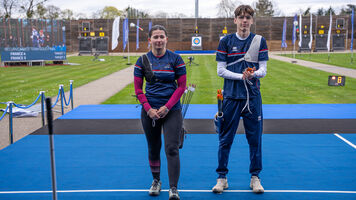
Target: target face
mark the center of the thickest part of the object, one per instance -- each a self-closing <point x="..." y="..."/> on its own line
<point x="196" y="41"/>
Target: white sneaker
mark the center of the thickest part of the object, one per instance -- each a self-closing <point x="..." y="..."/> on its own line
<point x="221" y="185"/>
<point x="255" y="185"/>
<point x="173" y="194"/>
<point x="155" y="188"/>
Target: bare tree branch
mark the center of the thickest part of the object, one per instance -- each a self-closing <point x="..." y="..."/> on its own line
<point x="226" y="8"/>
<point x="28" y="6"/>
<point x="8" y="6"/>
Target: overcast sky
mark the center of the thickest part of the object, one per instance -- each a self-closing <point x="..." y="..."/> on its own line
<point x="207" y="8"/>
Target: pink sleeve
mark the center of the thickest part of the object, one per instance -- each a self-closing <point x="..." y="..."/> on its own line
<point x="138" y="82"/>
<point x="182" y="82"/>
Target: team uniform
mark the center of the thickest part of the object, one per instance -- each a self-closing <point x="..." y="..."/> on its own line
<point x="230" y="51"/>
<point x="166" y="68"/>
<point x="170" y="71"/>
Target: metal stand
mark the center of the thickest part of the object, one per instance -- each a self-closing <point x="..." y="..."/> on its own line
<point x="10" y="123"/>
<point x="51" y="145"/>
<point x="61" y="93"/>
<point x="42" y="106"/>
<point x="71" y="93"/>
<point x="128" y="51"/>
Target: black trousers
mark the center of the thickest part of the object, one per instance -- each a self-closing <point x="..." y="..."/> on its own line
<point x="171" y="125"/>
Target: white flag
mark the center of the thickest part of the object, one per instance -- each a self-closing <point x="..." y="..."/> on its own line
<point x="115" y="33"/>
<point x="300" y="30"/>
<point x="329" y="33"/>
<point x="311" y="32"/>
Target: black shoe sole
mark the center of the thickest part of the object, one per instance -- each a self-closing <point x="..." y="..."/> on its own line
<point x="154" y="194"/>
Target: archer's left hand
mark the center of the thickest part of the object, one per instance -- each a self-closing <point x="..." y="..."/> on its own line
<point x="249" y="74"/>
<point x="163" y="111"/>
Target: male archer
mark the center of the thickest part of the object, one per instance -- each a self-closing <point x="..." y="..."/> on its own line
<point x="242" y="61"/>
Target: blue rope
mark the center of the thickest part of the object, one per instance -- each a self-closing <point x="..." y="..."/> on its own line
<point x="24" y="107"/>
<point x="57" y="98"/>
<point x="70" y="95"/>
<point x="3" y="115"/>
<point x="64" y="97"/>
<point x="38" y="97"/>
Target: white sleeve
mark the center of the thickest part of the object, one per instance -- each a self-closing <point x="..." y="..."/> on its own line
<point x="262" y="71"/>
<point x="225" y="73"/>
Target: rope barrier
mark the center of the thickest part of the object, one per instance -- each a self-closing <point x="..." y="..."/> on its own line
<point x="42" y="95"/>
<point x="24" y="107"/>
<point x="56" y="101"/>
<point x="3" y="115"/>
<point x="64" y="97"/>
<point x="11" y="104"/>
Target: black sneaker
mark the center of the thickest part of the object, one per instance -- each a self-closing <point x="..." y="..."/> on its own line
<point x="173" y="194"/>
<point x="155" y="188"/>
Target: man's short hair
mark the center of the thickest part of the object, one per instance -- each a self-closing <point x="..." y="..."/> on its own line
<point x="244" y="9"/>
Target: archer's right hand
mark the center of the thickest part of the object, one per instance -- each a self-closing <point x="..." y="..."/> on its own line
<point x="248" y="73"/>
<point x="152" y="113"/>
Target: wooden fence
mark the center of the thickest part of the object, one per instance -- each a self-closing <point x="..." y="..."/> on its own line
<point x="180" y="31"/>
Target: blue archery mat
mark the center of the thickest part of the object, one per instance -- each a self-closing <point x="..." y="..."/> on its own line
<point x="207" y="111"/>
<point x="317" y="163"/>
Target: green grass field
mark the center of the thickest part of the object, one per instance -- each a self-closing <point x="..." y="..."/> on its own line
<point x="337" y="59"/>
<point x="23" y="84"/>
<point x="285" y="83"/>
<point x="204" y="75"/>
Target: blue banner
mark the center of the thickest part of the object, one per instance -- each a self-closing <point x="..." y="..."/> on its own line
<point x="125" y="32"/>
<point x="149" y="28"/>
<point x="352" y="28"/>
<point x="284" y="43"/>
<point x="33" y="54"/>
<point x="137" y="34"/>
<point x="64" y="34"/>
<point x="295" y="24"/>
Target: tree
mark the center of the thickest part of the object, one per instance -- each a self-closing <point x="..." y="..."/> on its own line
<point x="347" y="11"/>
<point x="320" y="12"/>
<point x="135" y="13"/>
<point x="306" y="12"/>
<point x="67" y="14"/>
<point x="264" y="8"/>
<point x="329" y="10"/>
<point x="96" y="14"/>
<point x="226" y="8"/>
<point x="161" y="14"/>
<point x="28" y="6"/>
<point x="53" y="12"/>
<point x="178" y="15"/>
<point x="40" y="11"/>
<point x="110" y="12"/>
<point x="8" y="6"/>
<point x="80" y="16"/>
